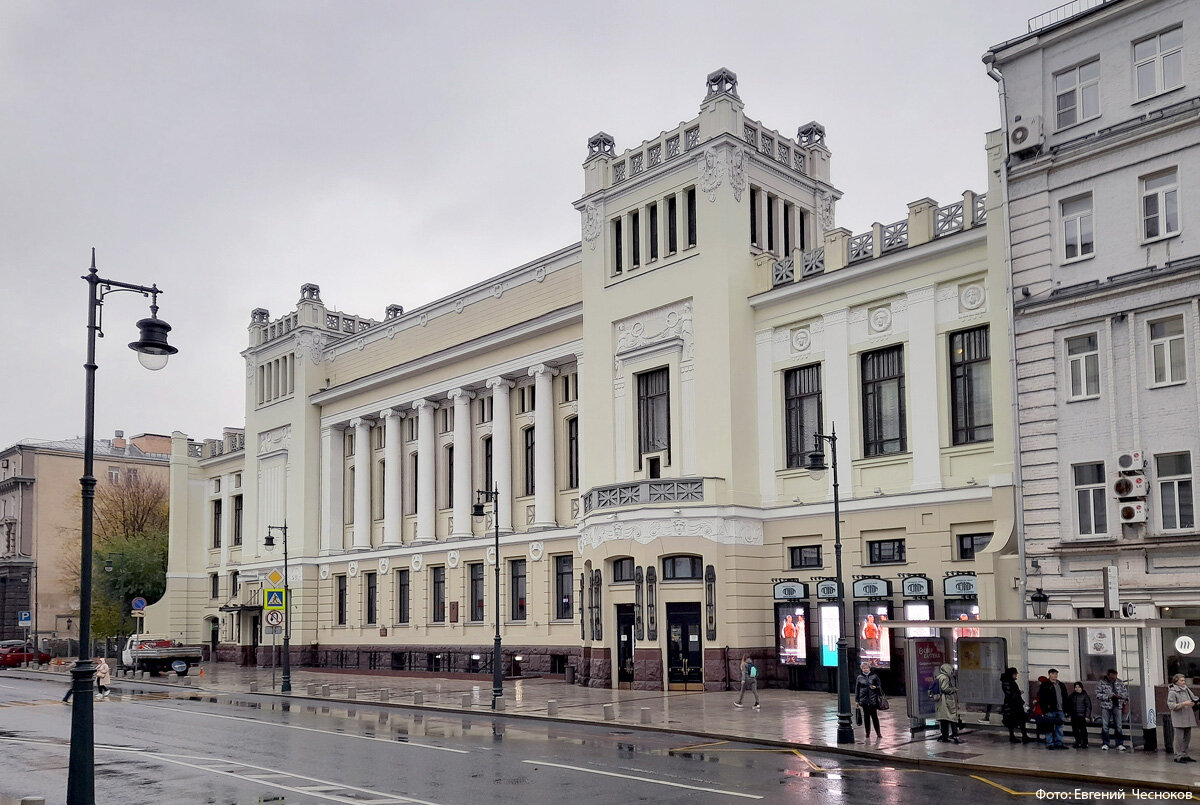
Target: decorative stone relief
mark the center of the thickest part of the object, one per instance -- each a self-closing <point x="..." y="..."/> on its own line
<point x="498" y="290"/>
<point x="539" y="274"/>
<point x="250" y="366"/>
<point x="530" y="516"/>
<point x="352" y="569"/>
<point x="801" y="339"/>
<point x="452" y="559"/>
<point x="737" y="172"/>
<point x="593" y="222"/>
<point x="715" y="168"/>
<point x="423" y="319"/>
<point x="710" y="172"/>
<point x="490" y="554"/>
<point x="277" y="439"/>
<point x="721" y="530"/>
<point x="391" y="331"/>
<point x="323" y="571"/>
<point x="417" y="562"/>
<point x="654" y="326"/>
<point x="826" y="203"/>
<point x="384" y="564"/>
<point x="971" y="297"/>
<point x="536" y="551"/>
<point x="880" y="319"/>
<point x="313" y="343"/>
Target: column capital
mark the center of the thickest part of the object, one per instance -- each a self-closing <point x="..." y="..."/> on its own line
<point x="496" y="382"/>
<point x="420" y="405"/>
<point x="360" y="422"/>
<point x="389" y="413"/>
<point x="542" y="369"/>
<point x="460" y="394"/>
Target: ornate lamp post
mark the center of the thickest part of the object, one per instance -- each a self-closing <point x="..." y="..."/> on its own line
<point x="483" y="496"/>
<point x="816" y="468"/>
<point x="153" y="351"/>
<point x="269" y="543"/>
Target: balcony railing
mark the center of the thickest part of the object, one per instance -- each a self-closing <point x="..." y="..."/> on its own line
<point x="637" y="493"/>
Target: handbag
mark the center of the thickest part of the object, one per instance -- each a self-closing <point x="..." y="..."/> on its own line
<point x="883" y="702"/>
<point x="858" y="716"/>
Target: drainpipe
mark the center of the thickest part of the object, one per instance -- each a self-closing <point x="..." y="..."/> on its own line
<point x="989" y="59"/>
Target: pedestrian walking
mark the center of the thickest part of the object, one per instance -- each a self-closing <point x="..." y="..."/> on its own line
<point x="71" y="689"/>
<point x="868" y="692"/>
<point x="945" y="693"/>
<point x="1182" y="702"/>
<point x="749" y="680"/>
<point x="1113" y="695"/>
<point x="1053" y="698"/>
<point x="1012" y="712"/>
<point x="1080" y="710"/>
<point x="103" y="677"/>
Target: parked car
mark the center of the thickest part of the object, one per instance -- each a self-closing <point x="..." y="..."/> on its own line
<point x="13" y="656"/>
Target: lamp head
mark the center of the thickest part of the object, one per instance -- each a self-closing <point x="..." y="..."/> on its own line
<point x="108" y="566"/>
<point x="269" y="542"/>
<point x="152" y="347"/>
<point x="477" y="507"/>
<point x="816" y="464"/>
<point x="1040" y="602"/>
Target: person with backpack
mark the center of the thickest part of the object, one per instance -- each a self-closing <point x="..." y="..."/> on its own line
<point x="1113" y="695"/>
<point x="944" y="692"/>
<point x="749" y="679"/>
<point x="1012" y="712"/>
<point x="868" y="692"/>
<point x="1080" y="711"/>
<point x="1053" y="698"/>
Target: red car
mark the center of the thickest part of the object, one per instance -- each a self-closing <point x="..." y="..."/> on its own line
<point x="13" y="656"/>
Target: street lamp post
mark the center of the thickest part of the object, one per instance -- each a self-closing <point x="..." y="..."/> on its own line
<point x="269" y="543"/>
<point x="483" y="496"/>
<point x="816" y="468"/>
<point x="153" y="350"/>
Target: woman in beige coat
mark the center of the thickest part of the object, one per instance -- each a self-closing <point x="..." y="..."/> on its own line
<point x="947" y="703"/>
<point x="103" y="676"/>
<point x="1182" y="702"/>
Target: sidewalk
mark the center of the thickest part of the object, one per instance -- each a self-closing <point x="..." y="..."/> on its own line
<point x="792" y="719"/>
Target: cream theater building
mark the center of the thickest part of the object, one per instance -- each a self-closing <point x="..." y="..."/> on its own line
<point x="643" y="401"/>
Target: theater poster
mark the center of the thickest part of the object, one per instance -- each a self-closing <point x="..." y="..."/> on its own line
<point x="791" y="633"/>
<point x="874" y="639"/>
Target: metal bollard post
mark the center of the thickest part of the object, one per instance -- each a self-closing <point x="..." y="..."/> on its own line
<point x="499" y="703"/>
<point x="466" y="700"/>
<point x="325" y="691"/>
<point x="312" y="689"/>
<point x="418" y="698"/>
<point x="551" y="707"/>
<point x="645" y="715"/>
<point x="384" y="694"/>
<point x="610" y="712"/>
<point x="351" y="693"/>
<point x="254" y="687"/>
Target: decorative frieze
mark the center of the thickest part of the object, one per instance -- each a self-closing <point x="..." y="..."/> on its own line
<point x="720" y="530"/>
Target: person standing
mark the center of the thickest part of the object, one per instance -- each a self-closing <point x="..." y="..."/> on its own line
<point x="947" y="703"/>
<point x="1012" y="712"/>
<point x="1053" y="698"/>
<point x="1113" y="695"/>
<point x="749" y="680"/>
<point x="103" y="677"/>
<point x="1080" y="710"/>
<point x="868" y="692"/>
<point x="1182" y="702"/>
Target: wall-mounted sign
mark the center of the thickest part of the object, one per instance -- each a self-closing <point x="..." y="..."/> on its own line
<point x="1185" y="644"/>
<point x="960" y="586"/>
<point x="872" y="588"/>
<point x="790" y="590"/>
<point x="916" y="587"/>
<point x="827" y="589"/>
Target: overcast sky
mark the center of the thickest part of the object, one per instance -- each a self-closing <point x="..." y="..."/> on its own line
<point x="397" y="151"/>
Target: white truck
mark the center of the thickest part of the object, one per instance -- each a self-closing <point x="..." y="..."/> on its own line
<point x="156" y="654"/>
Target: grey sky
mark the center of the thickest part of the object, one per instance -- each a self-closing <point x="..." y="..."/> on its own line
<point x="393" y="152"/>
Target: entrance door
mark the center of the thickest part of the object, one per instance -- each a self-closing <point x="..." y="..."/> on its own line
<point x="214" y="638"/>
<point x="685" y="653"/>
<point x="624" y="645"/>
<point x="255" y="636"/>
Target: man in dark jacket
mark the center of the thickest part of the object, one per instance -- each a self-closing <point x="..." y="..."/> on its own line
<point x="1053" y="698"/>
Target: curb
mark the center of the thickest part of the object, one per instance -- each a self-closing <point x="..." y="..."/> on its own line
<point x="956" y="766"/>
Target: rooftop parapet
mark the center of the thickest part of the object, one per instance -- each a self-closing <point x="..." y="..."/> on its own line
<point x="310" y="311"/>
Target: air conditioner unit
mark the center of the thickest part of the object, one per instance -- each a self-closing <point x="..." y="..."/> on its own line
<point x="1026" y="134"/>
<point x="1132" y="485"/>
<point x="1131" y="461"/>
<point x="1133" y="512"/>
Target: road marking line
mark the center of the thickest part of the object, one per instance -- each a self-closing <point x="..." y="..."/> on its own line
<point x="642" y="779"/>
<point x="310" y="729"/>
<point x="697" y="746"/>
<point x="806" y="759"/>
<point x="1005" y="789"/>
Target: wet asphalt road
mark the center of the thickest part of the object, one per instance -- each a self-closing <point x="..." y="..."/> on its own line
<point x="156" y="746"/>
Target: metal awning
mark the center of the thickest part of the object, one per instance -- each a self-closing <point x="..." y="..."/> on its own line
<point x="1041" y="623"/>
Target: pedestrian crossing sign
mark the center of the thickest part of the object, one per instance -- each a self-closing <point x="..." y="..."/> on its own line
<point x="273" y="600"/>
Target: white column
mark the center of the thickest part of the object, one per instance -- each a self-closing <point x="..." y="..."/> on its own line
<point x="627" y="236"/>
<point x="333" y="470"/>
<point x="426" y="459"/>
<point x="584" y="478"/>
<point x="392" y="475"/>
<point x="463" y="450"/>
<point x="362" y="484"/>
<point x="543" y="435"/>
<point x="502" y="449"/>
<point x="760" y="217"/>
<point x="838" y="411"/>
<point x="778" y="227"/>
<point x="922" y="377"/>
<point x="764" y="342"/>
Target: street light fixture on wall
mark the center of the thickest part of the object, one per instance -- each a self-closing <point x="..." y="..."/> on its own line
<point x="1040" y="602"/>
<point x="492" y="496"/>
<point x="269" y="543"/>
<point x="153" y="352"/>
<point x="816" y="469"/>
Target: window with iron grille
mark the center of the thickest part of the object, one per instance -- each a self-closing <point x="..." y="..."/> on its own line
<point x="654" y="411"/>
<point x="971" y="386"/>
<point x="517" y="588"/>
<point x="883" y="402"/>
<point x="801" y="411"/>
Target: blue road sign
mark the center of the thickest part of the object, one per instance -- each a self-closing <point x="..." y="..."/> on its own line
<point x="24" y="619"/>
<point x="138" y="603"/>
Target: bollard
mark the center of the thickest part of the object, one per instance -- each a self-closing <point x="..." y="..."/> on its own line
<point x="254" y="687"/>
<point x="645" y="715"/>
<point x="499" y="702"/>
<point x="551" y="707"/>
<point x="325" y="691"/>
<point x="466" y="700"/>
<point x="351" y="693"/>
<point x="610" y="712"/>
<point x="384" y="694"/>
<point x="418" y="698"/>
<point x="312" y="689"/>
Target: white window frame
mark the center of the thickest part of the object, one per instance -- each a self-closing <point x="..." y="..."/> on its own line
<point x="1076" y="220"/>
<point x="1092" y="490"/>
<point x="1172" y="483"/>
<point x="1079" y="362"/>
<point x="1077" y="92"/>
<point x="1167" y="344"/>
<point x="1158" y="59"/>
<point x="1160" y="194"/>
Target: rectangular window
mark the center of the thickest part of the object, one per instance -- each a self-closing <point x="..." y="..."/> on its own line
<point x="341" y="599"/>
<point x="371" y="590"/>
<point x="886" y="551"/>
<point x="654" y="411"/>
<point x="884" y="429"/>
<point x="237" y="520"/>
<point x="622" y="569"/>
<point x="971" y="544"/>
<point x="449" y="476"/>
<point x="216" y="524"/>
<point x="801" y="411"/>
<point x="1160" y="205"/>
<point x="1167" y="351"/>
<point x="476" y="571"/>
<point x="1083" y="367"/>
<point x="635" y="234"/>
<point x="771" y="202"/>
<point x="971" y="386"/>
<point x="411" y="419"/>
<point x="618" y="266"/>
<point x="377" y="433"/>
<point x="753" y="216"/>
<point x="690" y="198"/>
<point x="1174" y="472"/>
<point x="529" y="460"/>
<point x="652" y="222"/>
<point x="682" y="567"/>
<point x="517" y="588"/>
<point x="114" y="477"/>
<point x="672" y="225"/>
<point x="564" y="570"/>
<point x="402" y="599"/>
<point x="214" y="585"/>
<point x="1077" y="94"/>
<point x="1158" y="63"/>
<point x="349" y="445"/>
<point x="573" y="453"/>
<point x="487" y="463"/>
<point x="801" y="556"/>
<point x="1078" y="240"/>
<point x="234" y="582"/>
<point x="439" y="594"/>
<point x="485" y="409"/>
<point x="411" y="508"/>
<point x="1090" y="499"/>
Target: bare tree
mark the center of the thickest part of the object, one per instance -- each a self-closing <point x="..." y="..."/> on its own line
<point x="136" y="507"/>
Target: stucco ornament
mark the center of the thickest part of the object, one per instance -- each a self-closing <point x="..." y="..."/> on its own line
<point x="250" y="366"/>
<point x="276" y="439"/>
<point x="417" y="562"/>
<point x="653" y="326"/>
<point x="880" y="319"/>
<point x="423" y="319"/>
<point x="352" y="569"/>
<point x="737" y="172"/>
<point x="801" y="339"/>
<point x="491" y="555"/>
<point x="539" y="274"/>
<point x="592" y="223"/>
<point x="710" y="172"/>
<point x="312" y="343"/>
<point x="498" y="290"/>
<point x="383" y="565"/>
<point x="459" y="305"/>
<point x="826" y="210"/>
<point x="721" y="530"/>
<point x="452" y="559"/>
<point x="536" y="551"/>
<point x="323" y="572"/>
<point x="971" y="296"/>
